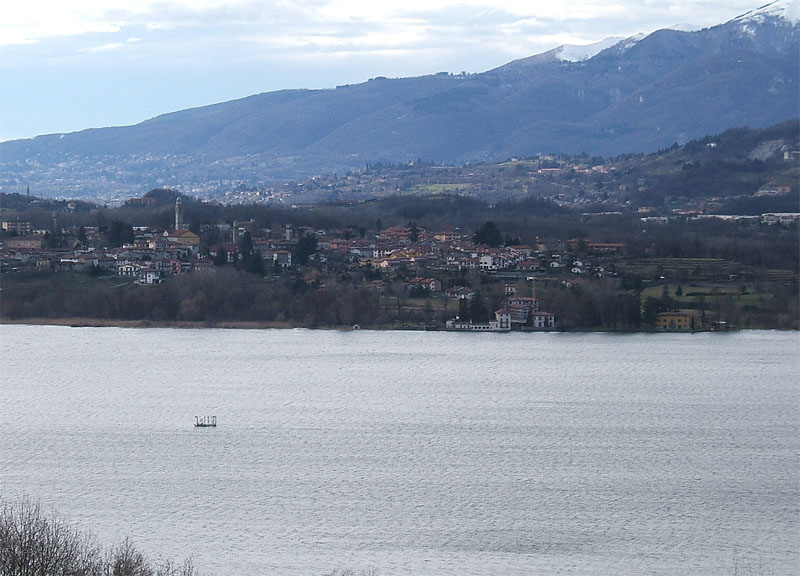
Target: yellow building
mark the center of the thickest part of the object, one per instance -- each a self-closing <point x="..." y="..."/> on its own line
<point x="184" y="238"/>
<point x="675" y="322"/>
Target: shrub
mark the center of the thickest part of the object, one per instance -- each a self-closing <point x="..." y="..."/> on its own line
<point x="35" y="544"/>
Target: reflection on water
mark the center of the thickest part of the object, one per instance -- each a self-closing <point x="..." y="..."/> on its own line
<point x="414" y="453"/>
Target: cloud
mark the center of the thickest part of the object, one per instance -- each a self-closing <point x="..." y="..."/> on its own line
<point x="436" y="33"/>
<point x="110" y="47"/>
<point x="223" y="49"/>
<point x="37" y="20"/>
<point x="32" y="21"/>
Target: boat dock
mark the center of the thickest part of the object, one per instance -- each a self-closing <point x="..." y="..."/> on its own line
<point x="205" y="421"/>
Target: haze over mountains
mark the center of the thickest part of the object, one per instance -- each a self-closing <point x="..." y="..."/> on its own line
<point x="636" y="95"/>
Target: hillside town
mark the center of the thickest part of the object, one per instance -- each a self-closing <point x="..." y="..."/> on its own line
<point x="438" y="279"/>
<point x="154" y="256"/>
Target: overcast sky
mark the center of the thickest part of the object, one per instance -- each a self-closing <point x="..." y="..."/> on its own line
<point x="67" y="65"/>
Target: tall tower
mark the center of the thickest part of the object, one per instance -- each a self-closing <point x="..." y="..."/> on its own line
<point x="178" y="214"/>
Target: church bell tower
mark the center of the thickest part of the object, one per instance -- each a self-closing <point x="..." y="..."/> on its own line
<point x="178" y="214"/>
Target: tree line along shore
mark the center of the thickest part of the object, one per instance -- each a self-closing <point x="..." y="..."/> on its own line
<point x="401" y="263"/>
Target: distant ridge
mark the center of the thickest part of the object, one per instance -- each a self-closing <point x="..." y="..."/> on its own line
<point x="638" y="94"/>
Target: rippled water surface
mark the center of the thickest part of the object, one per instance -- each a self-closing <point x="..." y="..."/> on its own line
<point x="413" y="452"/>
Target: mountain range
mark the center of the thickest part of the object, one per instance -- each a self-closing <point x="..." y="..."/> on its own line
<point x="634" y="95"/>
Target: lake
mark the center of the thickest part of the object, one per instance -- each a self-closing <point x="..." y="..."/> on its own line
<point x="413" y="452"/>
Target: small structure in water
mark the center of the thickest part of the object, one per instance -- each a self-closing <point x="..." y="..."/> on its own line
<point x="205" y="421"/>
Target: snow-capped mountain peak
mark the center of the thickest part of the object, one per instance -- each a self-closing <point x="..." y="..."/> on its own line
<point x="787" y="9"/>
<point x="573" y="53"/>
<point x="632" y="41"/>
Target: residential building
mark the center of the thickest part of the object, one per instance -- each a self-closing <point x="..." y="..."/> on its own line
<point x="282" y="258"/>
<point x="150" y="277"/>
<point x="22" y="228"/>
<point x="25" y="242"/>
<point x="675" y="322"/>
<point x="185" y="238"/>
<point x="501" y="323"/>
<point x="543" y="320"/>
<point x="129" y="269"/>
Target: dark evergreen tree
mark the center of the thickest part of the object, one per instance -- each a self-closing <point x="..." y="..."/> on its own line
<point x="463" y="310"/>
<point x="413" y="232"/>
<point x="306" y="246"/>
<point x="477" y="309"/>
<point x="245" y="244"/>
<point x="489" y="235"/>
<point x="652" y="306"/>
<point x="119" y="233"/>
<point x="221" y="257"/>
<point x="253" y="263"/>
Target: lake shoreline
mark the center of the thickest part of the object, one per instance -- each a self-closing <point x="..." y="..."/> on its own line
<point x="223" y="324"/>
<point x="81" y="322"/>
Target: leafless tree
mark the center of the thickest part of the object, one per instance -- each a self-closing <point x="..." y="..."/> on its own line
<point x="35" y="544"/>
<point x="126" y="560"/>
